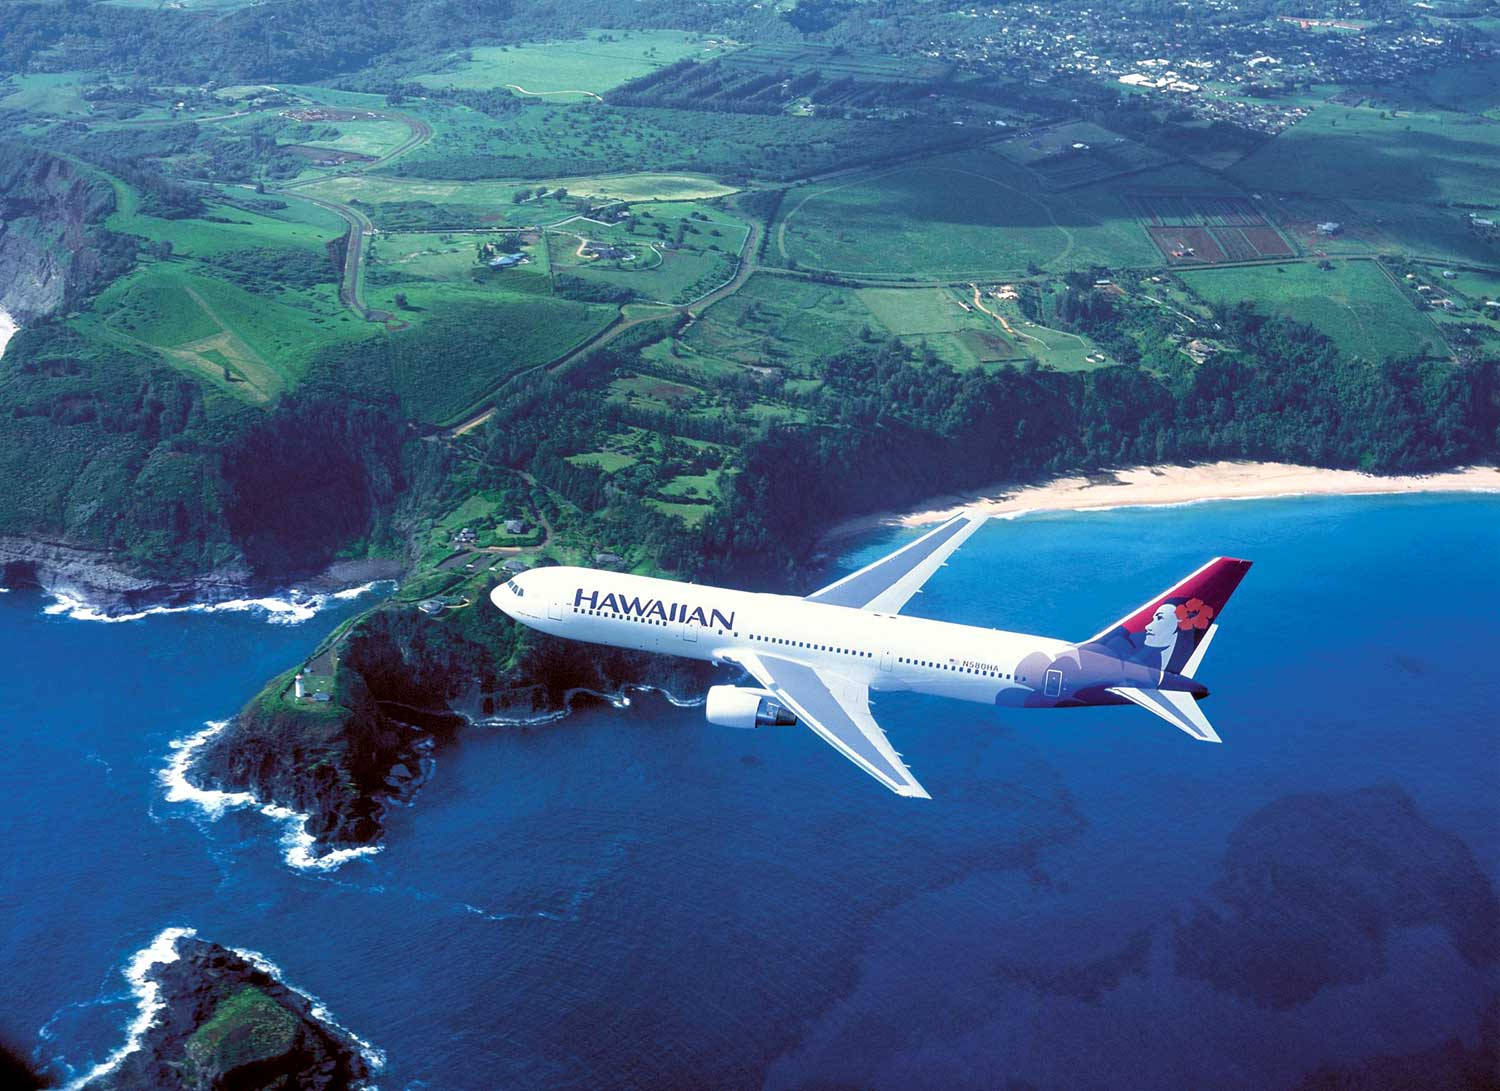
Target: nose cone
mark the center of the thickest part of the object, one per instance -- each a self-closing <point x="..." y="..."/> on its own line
<point x="504" y="599"/>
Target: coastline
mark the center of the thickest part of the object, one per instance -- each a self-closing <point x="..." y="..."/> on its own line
<point x="89" y="584"/>
<point x="1159" y="486"/>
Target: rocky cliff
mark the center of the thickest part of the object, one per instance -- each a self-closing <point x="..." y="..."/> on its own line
<point x="224" y="1022"/>
<point x="53" y="247"/>
<point x="405" y="683"/>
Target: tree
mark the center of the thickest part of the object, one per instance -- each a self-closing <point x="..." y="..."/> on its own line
<point x="401" y="301"/>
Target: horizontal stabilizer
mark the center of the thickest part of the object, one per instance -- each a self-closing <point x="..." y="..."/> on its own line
<point x="1178" y="708"/>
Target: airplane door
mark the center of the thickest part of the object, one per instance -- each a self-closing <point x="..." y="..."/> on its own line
<point x="690" y="631"/>
<point x="1053" y="685"/>
<point x="555" y="610"/>
<point x="886" y="661"/>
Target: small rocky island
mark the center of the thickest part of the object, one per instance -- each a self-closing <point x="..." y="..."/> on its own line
<point x="224" y="1022"/>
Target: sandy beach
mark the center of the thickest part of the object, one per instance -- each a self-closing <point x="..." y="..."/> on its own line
<point x="1145" y="486"/>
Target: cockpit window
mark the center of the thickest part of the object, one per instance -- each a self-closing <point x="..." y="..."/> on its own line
<point x="515" y="588"/>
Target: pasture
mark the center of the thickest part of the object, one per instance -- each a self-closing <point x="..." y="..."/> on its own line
<point x="1355" y="304"/>
<point x="1383" y="155"/>
<point x="250" y="345"/>
<point x="570" y="70"/>
<point x="47" y="94"/>
<point x="966" y="214"/>
<point x="373" y="137"/>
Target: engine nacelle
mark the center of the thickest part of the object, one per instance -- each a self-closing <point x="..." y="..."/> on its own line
<point x="736" y="706"/>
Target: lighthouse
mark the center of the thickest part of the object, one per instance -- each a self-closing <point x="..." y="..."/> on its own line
<point x="297" y="686"/>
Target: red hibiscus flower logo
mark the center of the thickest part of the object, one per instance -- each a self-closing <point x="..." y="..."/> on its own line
<point x="1194" y="614"/>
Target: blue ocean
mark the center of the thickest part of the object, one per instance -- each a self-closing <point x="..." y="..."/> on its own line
<point x="632" y="898"/>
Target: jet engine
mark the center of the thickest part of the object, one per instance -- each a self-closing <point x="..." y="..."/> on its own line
<point x="735" y="706"/>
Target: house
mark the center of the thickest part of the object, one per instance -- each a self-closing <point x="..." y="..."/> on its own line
<point x="515" y="564"/>
<point x="608" y="558"/>
<point x="516" y="526"/>
<point x="1330" y="228"/>
<point x="466" y="537"/>
<point x="505" y="261"/>
<point x="431" y="606"/>
<point x="1449" y="274"/>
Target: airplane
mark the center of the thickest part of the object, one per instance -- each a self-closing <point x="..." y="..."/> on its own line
<point x="817" y="659"/>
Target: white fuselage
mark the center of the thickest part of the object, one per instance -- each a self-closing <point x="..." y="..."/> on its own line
<point x="883" y="651"/>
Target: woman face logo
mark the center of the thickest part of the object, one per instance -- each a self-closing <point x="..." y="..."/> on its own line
<point x="1161" y="630"/>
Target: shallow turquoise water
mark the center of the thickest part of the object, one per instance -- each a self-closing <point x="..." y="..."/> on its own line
<point x="634" y="898"/>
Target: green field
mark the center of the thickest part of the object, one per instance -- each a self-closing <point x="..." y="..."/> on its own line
<point x="643" y="186"/>
<point x="450" y="256"/>
<point x="966" y="214"/>
<point x="1342" y="151"/>
<point x="1355" y="303"/>
<point x="573" y="69"/>
<point x="371" y="137"/>
<point x="497" y="332"/>
<point x="677" y="252"/>
<point x="251" y="345"/>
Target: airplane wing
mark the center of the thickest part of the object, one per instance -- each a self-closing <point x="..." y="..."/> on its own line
<point x="890" y="582"/>
<point x="838" y="709"/>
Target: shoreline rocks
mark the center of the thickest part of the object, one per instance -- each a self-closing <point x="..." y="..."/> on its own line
<point x="97" y="578"/>
<point x="221" y="1020"/>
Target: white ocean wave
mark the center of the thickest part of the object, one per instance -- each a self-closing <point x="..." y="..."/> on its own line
<point x="9" y="327"/>
<point x="297" y="845"/>
<point x="292" y="609"/>
<point x="374" y="1057"/>
<point x="161" y="950"/>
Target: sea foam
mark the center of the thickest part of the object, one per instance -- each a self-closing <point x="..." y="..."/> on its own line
<point x="163" y="950"/>
<point x="297" y="845"/>
<point x="291" y="609"/>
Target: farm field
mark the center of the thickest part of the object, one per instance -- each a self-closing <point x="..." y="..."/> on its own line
<point x="972" y="213"/>
<point x="1355" y="303"/>
<point x="1341" y="151"/>
<point x="1206" y="228"/>
<point x="571" y="69"/>
<point x="252" y="346"/>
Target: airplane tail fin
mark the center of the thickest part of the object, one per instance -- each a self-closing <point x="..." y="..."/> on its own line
<point x="1177" y="707"/>
<point x="1172" y="631"/>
